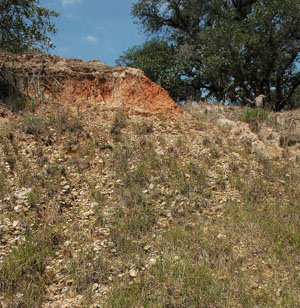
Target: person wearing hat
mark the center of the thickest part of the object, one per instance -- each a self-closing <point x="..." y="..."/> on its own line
<point x="258" y="102"/>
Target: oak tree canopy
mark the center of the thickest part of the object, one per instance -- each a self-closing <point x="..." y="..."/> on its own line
<point x="251" y="44"/>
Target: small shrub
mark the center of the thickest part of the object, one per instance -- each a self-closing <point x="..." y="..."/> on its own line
<point x="64" y="121"/>
<point x="120" y="119"/>
<point x="143" y="128"/>
<point x="34" y="125"/>
<point x="206" y="141"/>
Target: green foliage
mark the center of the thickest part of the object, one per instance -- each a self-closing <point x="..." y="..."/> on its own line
<point x="254" y="114"/>
<point x="24" y="25"/>
<point x="296" y="98"/>
<point x="253" y="44"/>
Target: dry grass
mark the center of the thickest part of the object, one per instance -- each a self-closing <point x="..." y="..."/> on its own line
<point x="178" y="220"/>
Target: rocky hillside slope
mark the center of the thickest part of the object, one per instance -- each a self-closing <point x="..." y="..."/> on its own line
<point x="105" y="208"/>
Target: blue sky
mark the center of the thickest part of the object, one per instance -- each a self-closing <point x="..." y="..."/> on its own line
<point x="94" y="29"/>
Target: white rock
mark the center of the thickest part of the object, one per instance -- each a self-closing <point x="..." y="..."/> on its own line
<point x="15" y="223"/>
<point x="147" y="247"/>
<point x="94" y="205"/>
<point x="88" y="213"/>
<point x="95" y="286"/>
<point x="67" y="243"/>
<point x="133" y="273"/>
<point x="152" y="261"/>
<point x="66" y="188"/>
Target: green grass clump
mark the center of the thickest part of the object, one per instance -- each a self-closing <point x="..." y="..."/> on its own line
<point x="250" y="115"/>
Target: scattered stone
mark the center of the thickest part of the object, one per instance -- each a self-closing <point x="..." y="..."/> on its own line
<point x="147" y="247"/>
<point x="152" y="261"/>
<point x="133" y="273"/>
<point x="67" y="243"/>
<point x="95" y="286"/>
<point x="88" y="214"/>
<point x="66" y="188"/>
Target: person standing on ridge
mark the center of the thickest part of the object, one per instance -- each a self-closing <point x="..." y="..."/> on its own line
<point x="258" y="102"/>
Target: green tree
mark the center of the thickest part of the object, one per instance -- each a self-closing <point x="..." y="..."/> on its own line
<point x="25" y="25"/>
<point x="254" y="44"/>
<point x="158" y="60"/>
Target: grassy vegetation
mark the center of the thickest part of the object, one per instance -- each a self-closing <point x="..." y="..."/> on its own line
<point x="141" y="214"/>
<point x="254" y="114"/>
<point x="23" y="277"/>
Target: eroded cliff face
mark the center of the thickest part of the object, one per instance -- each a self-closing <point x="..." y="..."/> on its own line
<point x="85" y="84"/>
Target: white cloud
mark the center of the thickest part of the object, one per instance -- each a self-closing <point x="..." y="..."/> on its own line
<point x="67" y="2"/>
<point x="91" y="38"/>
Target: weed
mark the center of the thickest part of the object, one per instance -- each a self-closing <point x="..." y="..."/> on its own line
<point x="143" y="128"/>
<point x="121" y="156"/>
<point x="33" y="198"/>
<point x="206" y="141"/>
<point x="88" y="269"/>
<point x="63" y="121"/>
<point x="23" y="270"/>
<point x="214" y="152"/>
<point x="4" y="187"/>
<point x="34" y="125"/>
<point x="120" y="121"/>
